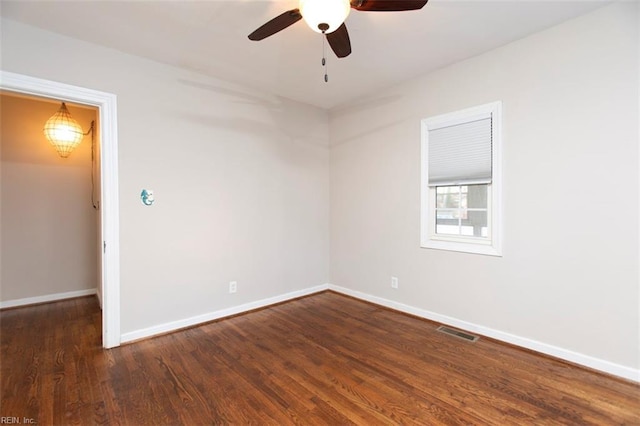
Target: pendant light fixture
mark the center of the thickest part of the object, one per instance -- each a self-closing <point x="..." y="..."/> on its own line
<point x="64" y="133"/>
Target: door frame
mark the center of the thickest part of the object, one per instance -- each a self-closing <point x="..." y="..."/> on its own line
<point x="109" y="209"/>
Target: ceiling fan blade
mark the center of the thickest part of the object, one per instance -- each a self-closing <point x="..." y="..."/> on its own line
<point x="387" y="5"/>
<point x="277" y="24"/>
<point x="339" y="41"/>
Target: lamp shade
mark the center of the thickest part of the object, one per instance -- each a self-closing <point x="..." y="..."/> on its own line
<point x="63" y="131"/>
<point x="329" y="12"/>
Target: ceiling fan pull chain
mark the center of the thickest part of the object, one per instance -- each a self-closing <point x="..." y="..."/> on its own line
<point x="324" y="58"/>
<point x="326" y="73"/>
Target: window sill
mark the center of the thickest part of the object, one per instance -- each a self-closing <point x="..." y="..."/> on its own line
<point x="463" y="247"/>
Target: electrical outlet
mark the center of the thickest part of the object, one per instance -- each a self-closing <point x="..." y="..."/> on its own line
<point x="233" y="286"/>
<point x="394" y="282"/>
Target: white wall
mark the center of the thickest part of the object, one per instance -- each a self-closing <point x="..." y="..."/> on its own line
<point x="48" y="243"/>
<point x="240" y="179"/>
<point x="569" y="275"/>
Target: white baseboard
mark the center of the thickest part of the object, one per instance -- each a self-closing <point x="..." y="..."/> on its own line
<point x="46" y="298"/>
<point x="211" y="316"/>
<point x="544" y="348"/>
<point x="565" y="354"/>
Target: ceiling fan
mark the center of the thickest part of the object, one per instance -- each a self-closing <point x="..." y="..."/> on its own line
<point x="328" y="16"/>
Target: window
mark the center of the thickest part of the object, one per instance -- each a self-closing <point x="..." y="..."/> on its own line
<point x="461" y="181"/>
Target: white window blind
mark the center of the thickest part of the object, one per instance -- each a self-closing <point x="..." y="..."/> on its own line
<point x="460" y="154"/>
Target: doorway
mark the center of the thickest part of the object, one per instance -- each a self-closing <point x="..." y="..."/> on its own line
<point x="108" y="166"/>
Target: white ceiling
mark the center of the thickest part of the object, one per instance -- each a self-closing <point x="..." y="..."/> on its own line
<point x="211" y="37"/>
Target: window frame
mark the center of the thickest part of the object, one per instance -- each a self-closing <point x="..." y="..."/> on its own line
<point x="428" y="238"/>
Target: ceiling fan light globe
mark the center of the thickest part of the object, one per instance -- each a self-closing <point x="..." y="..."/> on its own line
<point x="330" y="12"/>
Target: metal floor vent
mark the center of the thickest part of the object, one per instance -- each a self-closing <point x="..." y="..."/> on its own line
<point x="457" y="333"/>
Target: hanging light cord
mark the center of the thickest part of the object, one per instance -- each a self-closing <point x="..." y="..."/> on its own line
<point x="93" y="145"/>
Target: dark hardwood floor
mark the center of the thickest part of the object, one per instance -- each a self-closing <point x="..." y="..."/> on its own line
<point x="322" y="360"/>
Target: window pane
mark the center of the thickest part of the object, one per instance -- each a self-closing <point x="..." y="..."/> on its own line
<point x="448" y="214"/>
<point x="447" y="222"/>
<point x="475" y="224"/>
<point x="476" y="196"/>
<point x="463" y="197"/>
<point x="448" y="197"/>
<point x="447" y="229"/>
<point x="448" y="189"/>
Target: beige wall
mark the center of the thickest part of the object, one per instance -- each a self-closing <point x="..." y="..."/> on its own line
<point x="48" y="243"/>
<point x="241" y="180"/>
<point x="569" y="274"/>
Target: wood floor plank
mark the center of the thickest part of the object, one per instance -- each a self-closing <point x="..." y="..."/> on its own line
<point x="326" y="359"/>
